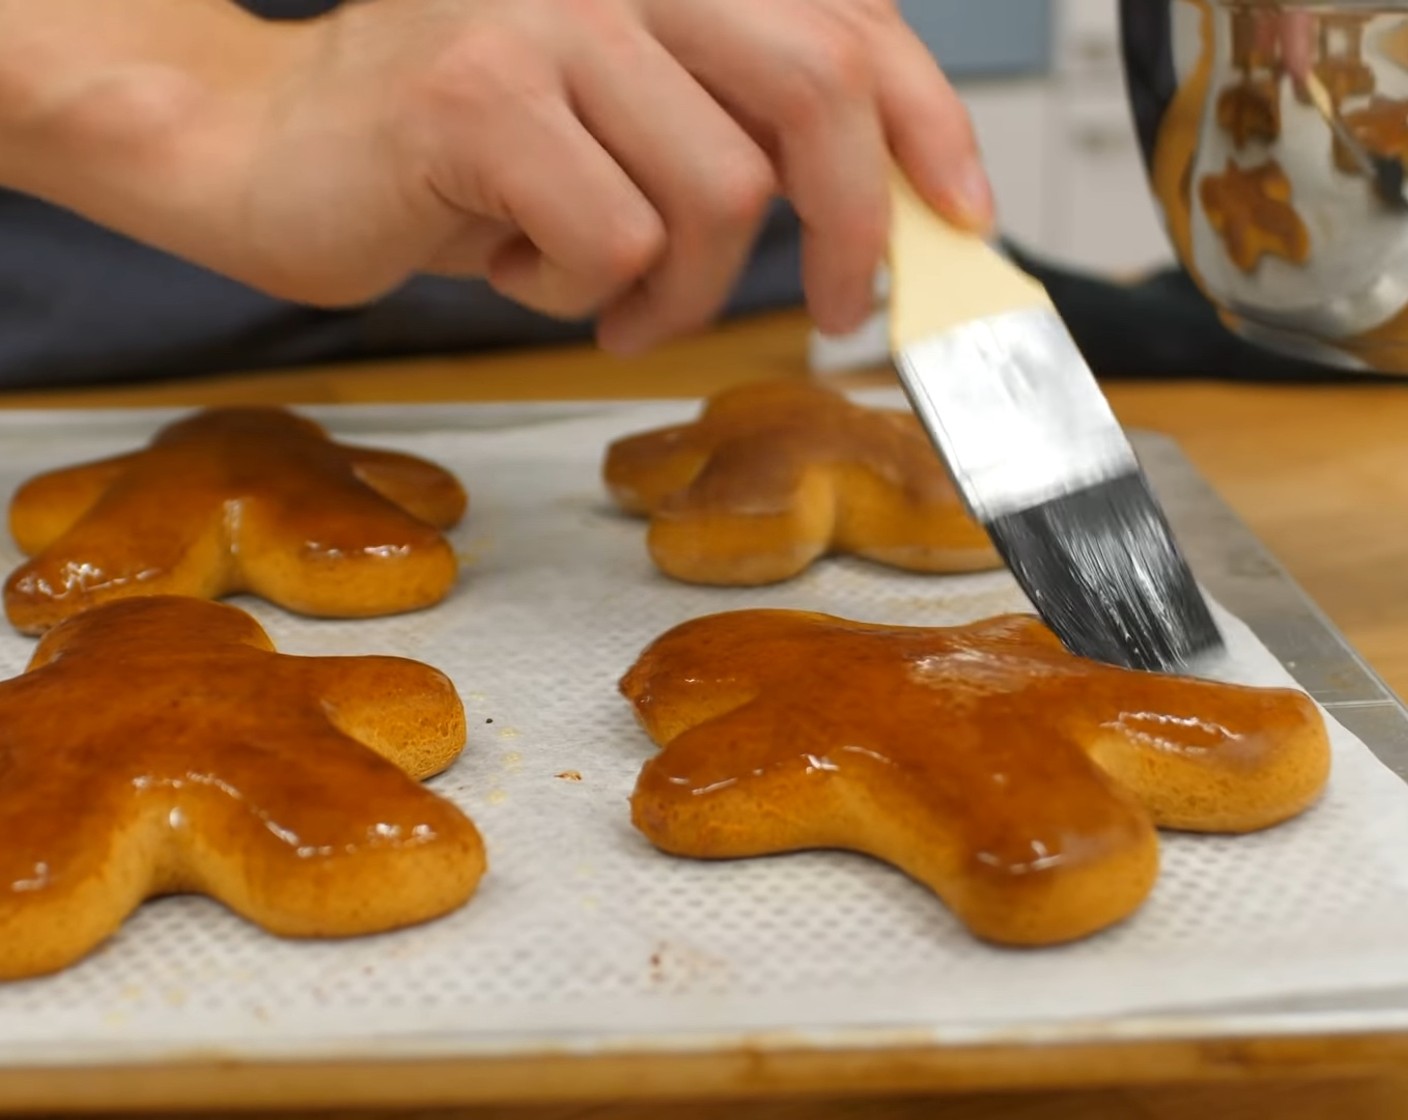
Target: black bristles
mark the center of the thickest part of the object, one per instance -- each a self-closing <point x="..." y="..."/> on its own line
<point x="1102" y="569"/>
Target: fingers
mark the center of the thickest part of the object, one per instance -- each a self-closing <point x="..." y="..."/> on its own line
<point x="807" y="84"/>
<point x="929" y="130"/>
<point x="706" y="177"/>
<point x="587" y="232"/>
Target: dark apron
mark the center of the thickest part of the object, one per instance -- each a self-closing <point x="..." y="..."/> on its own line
<point x="81" y="305"/>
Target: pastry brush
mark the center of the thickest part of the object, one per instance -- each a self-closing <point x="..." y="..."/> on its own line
<point x="1035" y="450"/>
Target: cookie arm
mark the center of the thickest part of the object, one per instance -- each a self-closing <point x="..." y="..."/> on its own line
<point x="419" y="487"/>
<point x="1210" y="757"/>
<point x="49" y="505"/>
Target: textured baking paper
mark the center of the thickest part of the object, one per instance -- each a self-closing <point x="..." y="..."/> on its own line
<point x="582" y="935"/>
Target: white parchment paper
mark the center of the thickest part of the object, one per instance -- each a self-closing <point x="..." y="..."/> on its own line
<point x="582" y="935"/>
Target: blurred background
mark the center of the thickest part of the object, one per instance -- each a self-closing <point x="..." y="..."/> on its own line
<point x="1043" y="81"/>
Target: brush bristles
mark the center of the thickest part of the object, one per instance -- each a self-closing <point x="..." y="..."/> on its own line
<point x="1102" y="569"/>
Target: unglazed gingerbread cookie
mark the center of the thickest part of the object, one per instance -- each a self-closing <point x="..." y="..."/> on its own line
<point x="1251" y="210"/>
<point x="773" y="476"/>
<point x="160" y="745"/>
<point x="1021" y="784"/>
<point x="232" y="500"/>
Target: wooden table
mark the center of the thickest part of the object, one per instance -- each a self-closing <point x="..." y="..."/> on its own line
<point x="1320" y="474"/>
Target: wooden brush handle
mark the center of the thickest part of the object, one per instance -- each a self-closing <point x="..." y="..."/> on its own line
<point x="941" y="277"/>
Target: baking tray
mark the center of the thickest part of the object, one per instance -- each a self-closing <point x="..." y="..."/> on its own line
<point x="1321" y="1033"/>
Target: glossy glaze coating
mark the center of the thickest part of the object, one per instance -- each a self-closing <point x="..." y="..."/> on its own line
<point x="233" y="500"/>
<point x="1022" y="784"/>
<point x="158" y="745"/>
<point x="774" y="475"/>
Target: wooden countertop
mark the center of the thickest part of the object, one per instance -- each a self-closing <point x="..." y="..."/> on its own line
<point x="1319" y="473"/>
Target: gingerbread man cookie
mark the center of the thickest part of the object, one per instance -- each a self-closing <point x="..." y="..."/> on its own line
<point x="237" y="500"/>
<point x="1251" y="211"/>
<point x="1021" y="784"/>
<point x="160" y="745"/>
<point x="773" y="476"/>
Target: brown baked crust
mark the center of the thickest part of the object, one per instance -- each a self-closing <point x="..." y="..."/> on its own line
<point x="160" y="745"/>
<point x="773" y="476"/>
<point x="234" y="500"/>
<point x="1021" y="784"/>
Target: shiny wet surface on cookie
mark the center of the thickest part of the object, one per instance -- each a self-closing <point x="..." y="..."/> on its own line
<point x="160" y="744"/>
<point x="231" y="500"/>
<point x="983" y="754"/>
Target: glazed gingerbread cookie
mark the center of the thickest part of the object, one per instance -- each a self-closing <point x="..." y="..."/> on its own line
<point x="237" y="500"/>
<point x="160" y="745"/>
<point x="1252" y="211"/>
<point x="1023" y="785"/>
<point x="773" y="476"/>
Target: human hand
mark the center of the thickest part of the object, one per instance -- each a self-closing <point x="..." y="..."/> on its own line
<point x="609" y="157"/>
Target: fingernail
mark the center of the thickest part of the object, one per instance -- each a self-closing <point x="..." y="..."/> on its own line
<point x="972" y="196"/>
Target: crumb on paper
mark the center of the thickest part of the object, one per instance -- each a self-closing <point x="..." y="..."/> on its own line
<point x="590" y="902"/>
<point x="679" y="965"/>
<point x="497" y="797"/>
<point x="176" y="997"/>
<point x="570" y="775"/>
<point x="508" y="733"/>
<point x="262" y="1013"/>
<point x="115" y="1018"/>
<point x="513" y="760"/>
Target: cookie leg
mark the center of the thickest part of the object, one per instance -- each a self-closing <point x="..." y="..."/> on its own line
<point x="342" y="554"/>
<point x="100" y="559"/>
<point x="338" y="842"/>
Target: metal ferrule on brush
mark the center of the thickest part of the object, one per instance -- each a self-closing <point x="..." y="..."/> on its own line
<point x="1016" y="415"/>
<point x="1039" y="458"/>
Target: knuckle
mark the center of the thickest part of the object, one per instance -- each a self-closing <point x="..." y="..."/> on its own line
<point x="737" y="193"/>
<point x="831" y="65"/>
<point x="631" y="249"/>
<point x="478" y="68"/>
